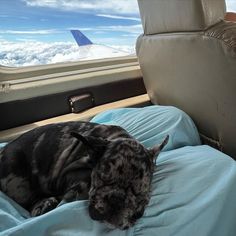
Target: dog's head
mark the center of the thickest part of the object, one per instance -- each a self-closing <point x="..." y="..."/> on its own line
<point x="121" y="180"/>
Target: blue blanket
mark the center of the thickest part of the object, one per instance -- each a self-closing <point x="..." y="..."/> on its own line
<point x="193" y="187"/>
<point x="151" y="124"/>
<point x="193" y="193"/>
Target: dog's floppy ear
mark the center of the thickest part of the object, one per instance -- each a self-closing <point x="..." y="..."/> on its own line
<point x="91" y="141"/>
<point x="157" y="148"/>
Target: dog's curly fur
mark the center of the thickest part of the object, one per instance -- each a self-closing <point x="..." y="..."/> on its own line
<point x="80" y="160"/>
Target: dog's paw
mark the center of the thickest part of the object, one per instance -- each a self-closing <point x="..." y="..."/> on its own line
<point x="44" y="206"/>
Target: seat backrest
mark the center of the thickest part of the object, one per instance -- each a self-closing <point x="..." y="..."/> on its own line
<point x="187" y="55"/>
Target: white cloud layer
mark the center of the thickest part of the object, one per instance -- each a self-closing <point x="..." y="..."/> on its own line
<point x="38" y="53"/>
<point x="29" y="32"/>
<point x="119" y="17"/>
<point x="231" y="5"/>
<point x="104" y="6"/>
<point x="131" y="29"/>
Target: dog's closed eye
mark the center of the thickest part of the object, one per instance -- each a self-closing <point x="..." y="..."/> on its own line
<point x="107" y="181"/>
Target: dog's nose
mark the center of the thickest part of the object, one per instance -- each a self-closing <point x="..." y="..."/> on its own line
<point x="95" y="214"/>
<point x="116" y="201"/>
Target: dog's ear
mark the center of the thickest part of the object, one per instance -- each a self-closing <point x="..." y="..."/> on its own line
<point x="92" y="142"/>
<point x="157" y="148"/>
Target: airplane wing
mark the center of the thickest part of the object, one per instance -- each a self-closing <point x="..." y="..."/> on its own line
<point x="80" y="38"/>
<point x="89" y="50"/>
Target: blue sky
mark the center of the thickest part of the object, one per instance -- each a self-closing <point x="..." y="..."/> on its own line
<point x="104" y="21"/>
<point x="34" y="32"/>
<point x="51" y="20"/>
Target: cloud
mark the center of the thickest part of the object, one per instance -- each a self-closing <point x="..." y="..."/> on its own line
<point x="132" y="29"/>
<point x="38" y="53"/>
<point x="24" y="18"/>
<point x="17" y="17"/>
<point x="231" y="5"/>
<point x="119" y="17"/>
<point x="29" y="32"/>
<point x="104" y="6"/>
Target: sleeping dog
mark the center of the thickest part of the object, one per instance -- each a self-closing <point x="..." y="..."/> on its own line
<point x="80" y="160"/>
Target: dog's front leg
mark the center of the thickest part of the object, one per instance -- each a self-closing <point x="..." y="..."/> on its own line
<point x="43" y="206"/>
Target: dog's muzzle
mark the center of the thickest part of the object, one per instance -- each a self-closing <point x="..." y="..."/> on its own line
<point x="96" y="214"/>
<point x="112" y="205"/>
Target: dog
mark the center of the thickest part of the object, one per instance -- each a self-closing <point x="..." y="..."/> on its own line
<point x="77" y="161"/>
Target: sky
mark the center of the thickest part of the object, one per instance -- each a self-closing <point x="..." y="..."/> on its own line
<point x="36" y="32"/>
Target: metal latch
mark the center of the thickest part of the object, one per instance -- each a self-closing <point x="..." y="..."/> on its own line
<point x="81" y="102"/>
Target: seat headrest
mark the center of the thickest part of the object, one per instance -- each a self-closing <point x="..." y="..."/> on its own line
<point x="163" y="16"/>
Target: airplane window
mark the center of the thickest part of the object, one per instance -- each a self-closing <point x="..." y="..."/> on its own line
<point x="34" y="32"/>
<point x="37" y="32"/>
<point x="231" y="5"/>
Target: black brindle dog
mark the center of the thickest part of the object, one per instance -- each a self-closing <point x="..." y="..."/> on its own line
<point x="80" y="160"/>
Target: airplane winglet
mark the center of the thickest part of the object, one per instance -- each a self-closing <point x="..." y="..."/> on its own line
<point x="80" y="38"/>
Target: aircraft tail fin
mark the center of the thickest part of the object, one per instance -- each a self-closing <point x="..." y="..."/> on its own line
<point x="80" y="38"/>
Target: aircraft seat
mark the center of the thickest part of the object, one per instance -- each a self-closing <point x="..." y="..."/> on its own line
<point x="187" y="55"/>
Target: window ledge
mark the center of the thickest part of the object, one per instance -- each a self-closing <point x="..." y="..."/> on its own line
<point x="7" y="135"/>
